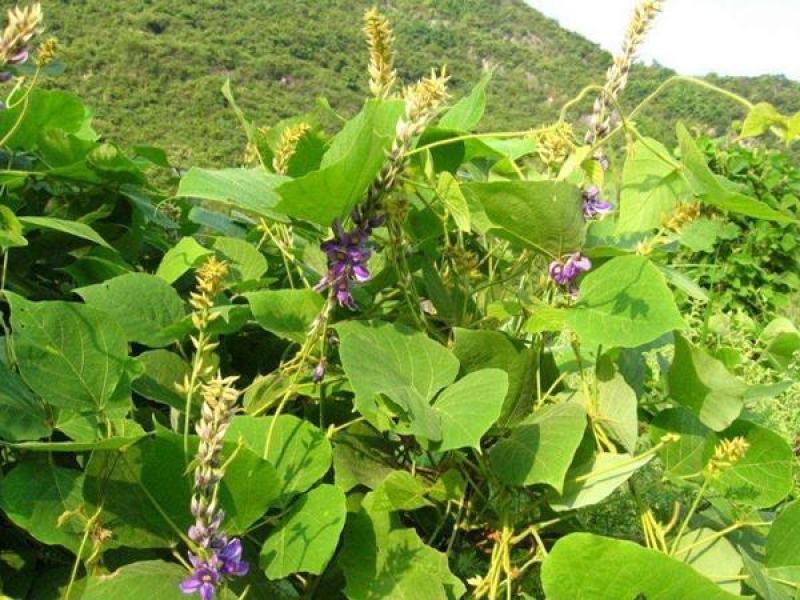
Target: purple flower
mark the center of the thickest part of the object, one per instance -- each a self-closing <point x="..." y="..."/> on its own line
<point x="204" y="578"/>
<point x="566" y="273"/>
<point x="224" y="559"/>
<point x="231" y="558"/>
<point x="593" y="204"/>
<point x="348" y="253"/>
<point x="319" y="371"/>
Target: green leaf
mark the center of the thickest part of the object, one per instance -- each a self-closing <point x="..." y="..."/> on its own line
<point x="71" y="355"/>
<point x="541" y="448"/>
<point x="179" y="259"/>
<point x="763" y="477"/>
<point x="702" y="384"/>
<point x="403" y="365"/>
<point x="250" y="190"/>
<point x="245" y="261"/>
<point x="782" y="548"/>
<point x="45" y="110"/>
<point x="596" y="479"/>
<point x="449" y="191"/>
<point x="583" y="565"/>
<point x="691" y="453"/>
<point x="73" y="228"/>
<point x="466" y="114"/>
<point x="299" y="451"/>
<point x="651" y="188"/>
<point x="351" y="164"/>
<point x="400" y="491"/>
<point x="544" y="215"/>
<point x="163" y="370"/>
<point x="10" y="230"/>
<point x="713" y="556"/>
<point x="617" y="411"/>
<point x="142" y="304"/>
<point x="286" y="313"/>
<point x="23" y="416"/>
<point x="307" y="537"/>
<point x="380" y="563"/>
<point x="469" y="407"/>
<point x="108" y="443"/>
<point x="624" y="303"/>
<point x="481" y="349"/>
<point x="361" y="456"/>
<point x="138" y="581"/>
<point x="761" y="118"/>
<point x="35" y="495"/>
<point x="546" y="318"/>
<point x="710" y="189"/>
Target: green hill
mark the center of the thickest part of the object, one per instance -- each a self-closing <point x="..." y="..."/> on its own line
<point x="153" y="68"/>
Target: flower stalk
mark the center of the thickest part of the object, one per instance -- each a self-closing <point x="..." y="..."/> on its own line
<point x="216" y="557"/>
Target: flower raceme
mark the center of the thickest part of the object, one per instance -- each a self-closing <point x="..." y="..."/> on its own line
<point x="216" y="556"/>
<point x="348" y="253"/>
<point x="23" y="25"/>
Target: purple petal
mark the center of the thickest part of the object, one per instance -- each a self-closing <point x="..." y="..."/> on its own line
<point x="190" y="585"/>
<point x="207" y="591"/>
<point x="361" y="273"/>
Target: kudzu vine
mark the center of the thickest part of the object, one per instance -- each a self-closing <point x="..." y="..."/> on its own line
<point x="389" y="356"/>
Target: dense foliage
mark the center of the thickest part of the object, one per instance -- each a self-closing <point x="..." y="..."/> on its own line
<point x="156" y="79"/>
<point x="393" y="358"/>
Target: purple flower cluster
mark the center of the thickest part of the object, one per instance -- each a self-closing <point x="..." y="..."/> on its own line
<point x="224" y="558"/>
<point x="348" y="253"/>
<point x="593" y="204"/>
<point x="565" y="273"/>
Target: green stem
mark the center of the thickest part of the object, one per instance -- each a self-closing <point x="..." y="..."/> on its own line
<point x="689" y="515"/>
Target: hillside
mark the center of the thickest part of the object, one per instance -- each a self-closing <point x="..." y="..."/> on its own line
<point x="157" y="78"/>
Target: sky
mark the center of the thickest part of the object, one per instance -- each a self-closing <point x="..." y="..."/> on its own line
<point x="696" y="37"/>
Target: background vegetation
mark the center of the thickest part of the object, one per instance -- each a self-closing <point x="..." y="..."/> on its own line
<point x="156" y="78"/>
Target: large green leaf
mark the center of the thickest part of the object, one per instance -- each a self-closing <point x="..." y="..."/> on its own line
<point x="702" y="384"/>
<point x="142" y="304"/>
<point x="286" y="313"/>
<point x="138" y="581"/>
<point x="616" y="410"/>
<point x="544" y="215"/>
<point x="593" y="480"/>
<point x="469" y="407"/>
<point x="466" y="114"/>
<point x="624" y="303"/>
<point x="251" y="190"/>
<point x="763" y="477"/>
<point x="45" y="110"/>
<point x="299" y="451"/>
<point x="74" y="228"/>
<point x="651" y="188"/>
<point x="163" y="371"/>
<point x="400" y="491"/>
<point x="380" y="562"/>
<point x="23" y="416"/>
<point x="35" y="495"/>
<point x="307" y="537"/>
<point x="583" y="565"/>
<point x="361" y="456"/>
<point x="354" y="159"/>
<point x="691" y="453"/>
<point x="400" y="364"/>
<point x="783" y="551"/>
<point x="245" y="261"/>
<point x="70" y="354"/>
<point x="541" y="448"/>
<point x="179" y="259"/>
<point x="481" y="349"/>
<point x="710" y="189"/>
<point x="713" y="556"/>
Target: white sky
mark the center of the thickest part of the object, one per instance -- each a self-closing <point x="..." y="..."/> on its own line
<point x="696" y="37"/>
